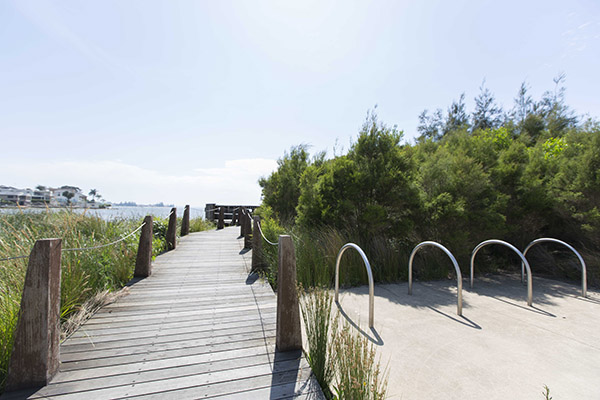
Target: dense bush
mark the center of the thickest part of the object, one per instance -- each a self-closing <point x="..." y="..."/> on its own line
<point x="533" y="172"/>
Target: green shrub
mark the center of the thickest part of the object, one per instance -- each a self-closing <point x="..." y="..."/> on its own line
<point x="200" y="224"/>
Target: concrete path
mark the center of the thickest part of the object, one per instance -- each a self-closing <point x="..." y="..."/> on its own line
<point x="500" y="348"/>
<point x="199" y="327"/>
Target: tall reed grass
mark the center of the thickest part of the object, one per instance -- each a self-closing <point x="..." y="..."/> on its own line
<point x="341" y="359"/>
<point x="358" y="374"/>
<point x="320" y="328"/>
<point x="317" y="250"/>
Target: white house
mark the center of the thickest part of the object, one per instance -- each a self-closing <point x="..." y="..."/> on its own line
<point x="77" y="198"/>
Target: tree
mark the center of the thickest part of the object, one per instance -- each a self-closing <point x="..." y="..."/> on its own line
<point x="69" y="196"/>
<point x="557" y="115"/>
<point x="524" y="104"/>
<point x="281" y="189"/>
<point x="383" y="173"/>
<point x="431" y="126"/>
<point x="487" y="114"/>
<point x="94" y="193"/>
<point x="368" y="190"/>
<point x="457" y="116"/>
<point x="41" y="188"/>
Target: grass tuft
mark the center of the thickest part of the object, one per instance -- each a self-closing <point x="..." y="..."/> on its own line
<point x="316" y="313"/>
<point x="358" y="376"/>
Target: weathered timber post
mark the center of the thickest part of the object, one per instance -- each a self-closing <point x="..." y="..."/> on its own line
<point x="234" y="218"/>
<point x="238" y="221"/>
<point x="143" y="260"/>
<point x="185" y="222"/>
<point x="242" y="220"/>
<point x="257" y="262"/>
<point x="172" y="230"/>
<point x="288" y="335"/>
<point x="221" y="223"/>
<point x="35" y="356"/>
<point x="248" y="232"/>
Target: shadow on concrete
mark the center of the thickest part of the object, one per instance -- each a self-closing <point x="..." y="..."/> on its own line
<point x="425" y="294"/>
<point x="505" y="288"/>
<point x="244" y="251"/>
<point x="508" y="287"/>
<point x="458" y="318"/>
<point x="531" y="308"/>
<point x="588" y="299"/>
<point x="375" y="338"/>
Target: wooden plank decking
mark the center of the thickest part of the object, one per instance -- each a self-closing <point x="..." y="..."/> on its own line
<point x="199" y="327"/>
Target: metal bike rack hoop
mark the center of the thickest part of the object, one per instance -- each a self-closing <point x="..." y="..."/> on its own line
<point x="552" y="240"/>
<point x="452" y="258"/>
<point x="369" y="274"/>
<point x="513" y="248"/>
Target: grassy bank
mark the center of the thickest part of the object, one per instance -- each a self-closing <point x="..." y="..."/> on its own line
<point x="85" y="274"/>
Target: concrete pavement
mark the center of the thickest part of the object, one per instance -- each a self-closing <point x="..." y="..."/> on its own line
<point x="499" y="349"/>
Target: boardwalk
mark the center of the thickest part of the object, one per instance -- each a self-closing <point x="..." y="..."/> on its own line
<point x="199" y="327"/>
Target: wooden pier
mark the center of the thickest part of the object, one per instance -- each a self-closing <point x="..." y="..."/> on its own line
<point x="200" y="326"/>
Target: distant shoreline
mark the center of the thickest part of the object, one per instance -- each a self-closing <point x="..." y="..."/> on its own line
<point x="53" y="207"/>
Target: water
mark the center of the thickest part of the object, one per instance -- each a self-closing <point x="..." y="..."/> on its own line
<point x="116" y="212"/>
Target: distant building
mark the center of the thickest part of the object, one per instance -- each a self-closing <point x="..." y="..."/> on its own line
<point x="77" y="198"/>
<point x="43" y="197"/>
<point x="13" y="196"/>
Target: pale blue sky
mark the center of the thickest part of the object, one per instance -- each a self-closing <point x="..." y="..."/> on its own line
<point x="192" y="101"/>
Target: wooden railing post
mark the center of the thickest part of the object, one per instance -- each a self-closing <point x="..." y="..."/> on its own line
<point x="248" y="232"/>
<point x="221" y="223"/>
<point x="185" y="222"/>
<point x="234" y="218"/>
<point x="35" y="356"/>
<point x="172" y="230"/>
<point x="238" y="221"/>
<point x="242" y="220"/>
<point x="288" y="334"/>
<point x="143" y="261"/>
<point x="257" y="262"/>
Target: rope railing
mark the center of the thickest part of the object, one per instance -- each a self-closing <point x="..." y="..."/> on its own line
<point x="263" y="235"/>
<point x="13" y="258"/>
<point x="107" y="244"/>
<point x="260" y="229"/>
<point x="84" y="248"/>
